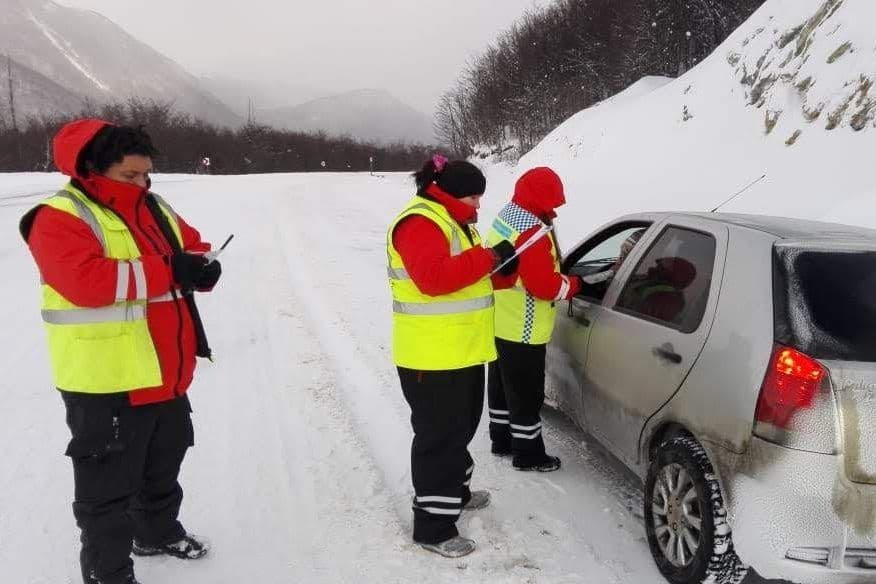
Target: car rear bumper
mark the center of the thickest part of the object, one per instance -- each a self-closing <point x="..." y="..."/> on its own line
<point x="794" y="516"/>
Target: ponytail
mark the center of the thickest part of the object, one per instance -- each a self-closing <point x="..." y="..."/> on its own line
<point x="430" y="172"/>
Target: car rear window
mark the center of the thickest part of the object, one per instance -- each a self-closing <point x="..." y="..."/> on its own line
<point x="825" y="302"/>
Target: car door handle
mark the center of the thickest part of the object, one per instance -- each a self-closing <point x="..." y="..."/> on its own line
<point x="667" y="353"/>
<point x="578" y="317"/>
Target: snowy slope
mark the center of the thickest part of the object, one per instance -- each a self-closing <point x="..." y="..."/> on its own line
<point x="301" y="469"/>
<point x="35" y="94"/>
<point x="796" y="66"/>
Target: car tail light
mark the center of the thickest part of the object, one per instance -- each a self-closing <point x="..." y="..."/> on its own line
<point x="792" y="382"/>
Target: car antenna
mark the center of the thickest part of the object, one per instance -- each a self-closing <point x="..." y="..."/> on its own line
<point x="731" y="199"/>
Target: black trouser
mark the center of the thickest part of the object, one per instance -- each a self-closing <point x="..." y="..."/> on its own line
<point x="516" y="396"/>
<point x="445" y="412"/>
<point x="126" y="461"/>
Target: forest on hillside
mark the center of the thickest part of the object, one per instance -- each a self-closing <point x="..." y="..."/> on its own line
<point x="567" y="56"/>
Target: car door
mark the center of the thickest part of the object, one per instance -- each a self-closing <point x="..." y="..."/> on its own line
<point x="644" y="343"/>
<point x="567" y="352"/>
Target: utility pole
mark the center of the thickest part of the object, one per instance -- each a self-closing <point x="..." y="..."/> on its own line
<point x="47" y="164"/>
<point x="11" y="93"/>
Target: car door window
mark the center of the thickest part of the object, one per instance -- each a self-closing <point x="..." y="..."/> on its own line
<point x="599" y="258"/>
<point x="671" y="283"/>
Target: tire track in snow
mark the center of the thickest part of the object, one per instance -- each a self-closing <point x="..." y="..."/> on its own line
<point x="513" y="546"/>
<point x="279" y="482"/>
<point x="356" y="379"/>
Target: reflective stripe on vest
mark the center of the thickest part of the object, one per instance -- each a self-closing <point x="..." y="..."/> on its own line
<point x="455" y="244"/>
<point x="446" y="332"/>
<point x="117" y="313"/>
<point x="86" y="215"/>
<point x="397" y="274"/>
<point x="165" y="206"/>
<point x="430" y="308"/>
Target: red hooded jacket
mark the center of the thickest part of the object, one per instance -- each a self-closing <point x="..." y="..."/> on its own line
<point x="540" y="191"/>
<point x="71" y="260"/>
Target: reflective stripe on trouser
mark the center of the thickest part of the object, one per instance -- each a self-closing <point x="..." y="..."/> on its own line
<point x="516" y="396"/>
<point x="445" y="412"/>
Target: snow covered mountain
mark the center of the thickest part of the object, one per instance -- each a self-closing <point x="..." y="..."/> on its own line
<point x="365" y="114"/>
<point x="34" y="94"/>
<point x="787" y="97"/>
<point x="91" y="56"/>
<point x="265" y="94"/>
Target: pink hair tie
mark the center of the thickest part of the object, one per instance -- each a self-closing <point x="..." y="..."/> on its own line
<point x="440" y="162"/>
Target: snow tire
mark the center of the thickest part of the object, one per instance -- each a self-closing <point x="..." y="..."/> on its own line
<point x="715" y="560"/>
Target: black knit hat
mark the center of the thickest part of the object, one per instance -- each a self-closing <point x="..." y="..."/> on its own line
<point x="457" y="178"/>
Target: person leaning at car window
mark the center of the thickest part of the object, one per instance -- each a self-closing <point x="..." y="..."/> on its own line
<point x="442" y="328"/>
<point x="525" y="318"/>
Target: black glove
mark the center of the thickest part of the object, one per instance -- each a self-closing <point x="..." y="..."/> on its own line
<point x="504" y="250"/>
<point x="209" y="276"/>
<point x="187" y="268"/>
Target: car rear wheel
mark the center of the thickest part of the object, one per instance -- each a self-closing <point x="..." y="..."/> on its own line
<point x="685" y="517"/>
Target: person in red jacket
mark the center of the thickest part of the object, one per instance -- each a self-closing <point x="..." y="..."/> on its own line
<point x="525" y="320"/>
<point x="440" y="271"/>
<point x="127" y="446"/>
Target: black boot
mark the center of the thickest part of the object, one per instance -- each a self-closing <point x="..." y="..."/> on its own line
<point x="189" y="547"/>
<point x="543" y="463"/>
<point x="501" y="448"/>
<point x="126" y="579"/>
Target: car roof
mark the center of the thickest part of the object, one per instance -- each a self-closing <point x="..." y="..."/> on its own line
<point x="781" y="227"/>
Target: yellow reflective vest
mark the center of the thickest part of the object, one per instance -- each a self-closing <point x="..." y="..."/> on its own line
<point x="436" y="333"/>
<point x="520" y="316"/>
<point x="107" y="349"/>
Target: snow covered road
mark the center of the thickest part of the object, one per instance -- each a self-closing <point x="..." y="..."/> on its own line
<point x="301" y="468"/>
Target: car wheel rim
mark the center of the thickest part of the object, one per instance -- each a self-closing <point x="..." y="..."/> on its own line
<point x="677" y="515"/>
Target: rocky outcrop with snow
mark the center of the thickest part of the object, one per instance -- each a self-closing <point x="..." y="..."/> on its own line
<point x="817" y="72"/>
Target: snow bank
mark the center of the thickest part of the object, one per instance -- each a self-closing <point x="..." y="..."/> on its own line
<point x="786" y="97"/>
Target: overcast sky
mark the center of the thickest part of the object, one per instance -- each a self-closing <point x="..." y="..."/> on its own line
<point x="413" y="48"/>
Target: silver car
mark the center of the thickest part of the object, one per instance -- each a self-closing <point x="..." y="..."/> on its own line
<point x="730" y="362"/>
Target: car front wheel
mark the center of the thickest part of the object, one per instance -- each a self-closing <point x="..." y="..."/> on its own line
<point x="685" y="517"/>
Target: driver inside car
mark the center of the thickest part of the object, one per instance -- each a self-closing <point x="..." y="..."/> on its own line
<point x="600" y="281"/>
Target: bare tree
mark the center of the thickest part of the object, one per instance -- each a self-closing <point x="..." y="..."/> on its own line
<point x="184" y="140"/>
<point x="567" y="56"/>
<point x="11" y="93"/>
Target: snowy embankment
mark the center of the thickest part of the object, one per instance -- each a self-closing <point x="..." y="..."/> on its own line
<point x="787" y="97"/>
<point x="301" y="469"/>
